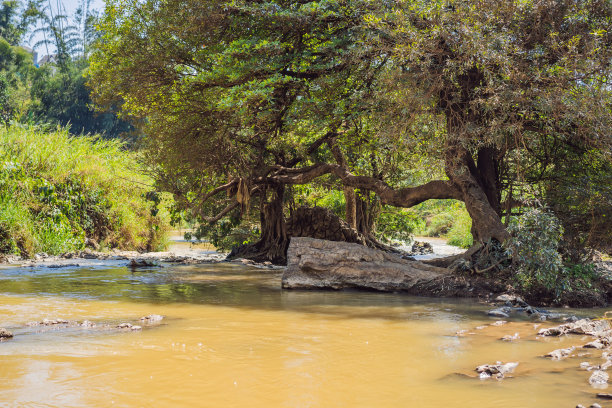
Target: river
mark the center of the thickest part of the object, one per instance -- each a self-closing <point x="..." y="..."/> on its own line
<point x="232" y="338"/>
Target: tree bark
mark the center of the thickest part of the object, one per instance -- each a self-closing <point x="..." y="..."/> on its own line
<point x="351" y="206"/>
<point x="486" y="221"/>
<point x="273" y="243"/>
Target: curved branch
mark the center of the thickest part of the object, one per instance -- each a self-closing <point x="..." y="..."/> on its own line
<point x="226" y="210"/>
<point x="403" y="197"/>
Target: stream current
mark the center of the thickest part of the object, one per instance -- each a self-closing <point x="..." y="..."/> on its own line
<point x="231" y="337"/>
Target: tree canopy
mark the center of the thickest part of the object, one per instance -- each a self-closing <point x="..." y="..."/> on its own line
<point x="488" y="96"/>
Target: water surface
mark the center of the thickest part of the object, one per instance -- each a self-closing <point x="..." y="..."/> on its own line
<point x="233" y="338"/>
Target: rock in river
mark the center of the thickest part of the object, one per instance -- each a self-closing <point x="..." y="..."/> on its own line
<point x="501" y="312"/>
<point x="498" y="370"/>
<point x="154" y="318"/>
<point x="5" y="334"/>
<point x="599" y="379"/>
<point x="561" y="353"/>
<point x="316" y="264"/>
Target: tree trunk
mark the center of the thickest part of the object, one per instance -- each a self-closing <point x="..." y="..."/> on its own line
<point x="488" y="176"/>
<point x="351" y="206"/>
<point x="272" y="246"/>
<point x="486" y="221"/>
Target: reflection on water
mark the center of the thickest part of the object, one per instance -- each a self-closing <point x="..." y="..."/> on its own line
<point x="233" y="338"/>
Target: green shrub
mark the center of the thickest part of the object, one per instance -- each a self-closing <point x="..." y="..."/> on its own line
<point x="534" y="245"/>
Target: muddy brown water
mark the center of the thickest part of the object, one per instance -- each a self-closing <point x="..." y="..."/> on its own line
<point x="232" y="338"/>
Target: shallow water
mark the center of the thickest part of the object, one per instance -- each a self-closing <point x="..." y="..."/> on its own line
<point x="233" y="338"/>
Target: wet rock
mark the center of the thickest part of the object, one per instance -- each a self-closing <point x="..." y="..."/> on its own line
<point x="58" y="266"/>
<point x="583" y="326"/>
<point x="87" y="324"/>
<point x="128" y="326"/>
<point x="596" y="405"/>
<point x="599" y="379"/>
<point x="5" y="334"/>
<point x="510" y="337"/>
<point x="49" y="322"/>
<point x="499" y="323"/>
<point x="604" y="396"/>
<point x="560" y="353"/>
<point x="154" y="318"/>
<point x="497" y="370"/>
<point x="600" y="343"/>
<point x="141" y="262"/>
<point x="585" y="365"/>
<point x="501" y="312"/>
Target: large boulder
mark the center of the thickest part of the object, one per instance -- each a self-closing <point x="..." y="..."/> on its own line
<point x="319" y="264"/>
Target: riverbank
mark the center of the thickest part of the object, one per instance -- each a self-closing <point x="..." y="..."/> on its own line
<point x="61" y="193"/>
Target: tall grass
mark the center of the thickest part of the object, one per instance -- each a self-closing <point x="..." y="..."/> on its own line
<point x="56" y="190"/>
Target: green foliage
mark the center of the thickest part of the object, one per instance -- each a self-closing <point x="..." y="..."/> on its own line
<point x="446" y="218"/>
<point x="459" y="233"/>
<point x="227" y="233"/>
<point x="579" y="191"/>
<point x="62" y="98"/>
<point x="395" y="224"/>
<point x="56" y="190"/>
<point x="535" y="249"/>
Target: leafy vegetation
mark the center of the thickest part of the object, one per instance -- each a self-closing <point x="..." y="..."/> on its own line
<point x="540" y="268"/>
<point x="56" y="191"/>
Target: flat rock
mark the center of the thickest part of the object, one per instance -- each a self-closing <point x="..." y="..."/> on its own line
<point x="499" y="313"/>
<point x="318" y="264"/>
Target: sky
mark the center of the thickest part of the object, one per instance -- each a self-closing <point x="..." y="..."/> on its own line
<point x="70" y="6"/>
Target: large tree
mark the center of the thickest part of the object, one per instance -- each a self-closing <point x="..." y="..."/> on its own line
<point x="246" y="94"/>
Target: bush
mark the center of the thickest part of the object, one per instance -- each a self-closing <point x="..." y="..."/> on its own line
<point x="56" y="190"/>
<point x="536" y="236"/>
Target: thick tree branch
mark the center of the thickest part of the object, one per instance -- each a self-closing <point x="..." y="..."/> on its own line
<point x="403" y="197"/>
